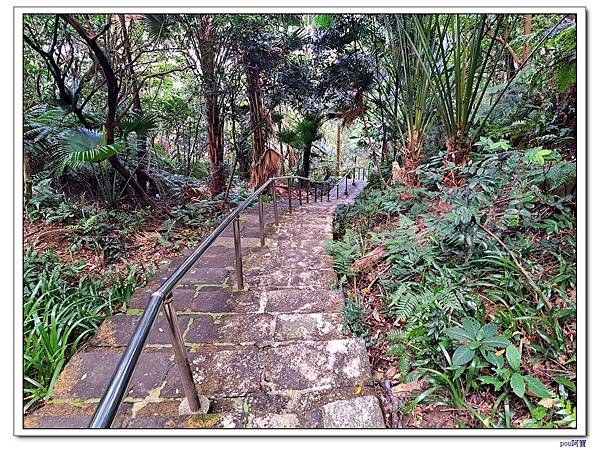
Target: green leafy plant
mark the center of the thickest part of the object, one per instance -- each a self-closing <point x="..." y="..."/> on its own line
<point x="475" y="339"/>
<point x="354" y="317"/>
<point x="59" y="314"/>
<point x="86" y="146"/>
<point x="519" y="384"/>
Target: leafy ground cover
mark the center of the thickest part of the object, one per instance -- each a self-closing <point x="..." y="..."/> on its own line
<point x="83" y="260"/>
<point x="466" y="295"/>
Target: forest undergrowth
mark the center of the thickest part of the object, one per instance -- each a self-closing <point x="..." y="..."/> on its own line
<point x="466" y="295"/>
<point x="84" y="258"/>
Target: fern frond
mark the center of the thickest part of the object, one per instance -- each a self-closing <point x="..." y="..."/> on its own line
<point x="396" y="350"/>
<point x="395" y="336"/>
<point x="561" y="174"/>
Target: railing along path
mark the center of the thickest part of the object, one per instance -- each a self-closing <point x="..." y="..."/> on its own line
<point x="162" y="298"/>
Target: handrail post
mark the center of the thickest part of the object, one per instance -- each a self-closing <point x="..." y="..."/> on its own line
<point x="328" y="191"/>
<point x="300" y="192"/>
<point x="290" y="195"/>
<point x="261" y="220"/>
<point x="321" y="192"/>
<point x="346" y="192"/>
<point x="337" y="190"/>
<point x="316" y="187"/>
<point x="274" y="194"/>
<point x="307" y="195"/>
<point x="185" y="371"/>
<point x="237" y="243"/>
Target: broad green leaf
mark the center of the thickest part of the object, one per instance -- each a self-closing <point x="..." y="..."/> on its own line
<point x="462" y="355"/>
<point x="496" y="360"/>
<point x="488" y="330"/>
<point x="486" y="379"/>
<point x="471" y="326"/>
<point x="496" y="341"/>
<point x="460" y="334"/>
<point x="536" y="387"/>
<point x="566" y="383"/>
<point x="323" y="21"/>
<point x="513" y="356"/>
<point x="500" y="144"/>
<point x="517" y="383"/>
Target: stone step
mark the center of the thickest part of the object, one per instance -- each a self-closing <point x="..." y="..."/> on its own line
<point x="216" y="299"/>
<point x="234" y="329"/>
<point x="312" y="365"/>
<point x="357" y="412"/>
<point x="272" y="355"/>
<point x="293" y="279"/>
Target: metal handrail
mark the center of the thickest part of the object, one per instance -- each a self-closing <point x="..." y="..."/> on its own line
<point x="113" y="396"/>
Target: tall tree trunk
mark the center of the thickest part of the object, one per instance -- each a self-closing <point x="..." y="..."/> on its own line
<point x="526" y="31"/>
<point x="141" y="173"/>
<point x="510" y="60"/>
<point x="214" y="128"/>
<point x="338" y="143"/>
<point x="260" y="127"/>
<point x="306" y="161"/>
<point x="214" y="119"/>
<point x="27" y="185"/>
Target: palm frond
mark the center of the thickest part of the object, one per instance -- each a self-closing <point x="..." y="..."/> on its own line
<point x="85" y="146"/>
<point x="139" y="123"/>
<point x="157" y="24"/>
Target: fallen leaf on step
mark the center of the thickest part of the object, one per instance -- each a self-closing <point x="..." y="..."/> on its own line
<point x="377" y="316"/>
<point x="408" y="387"/>
<point x="547" y="403"/>
<point x="390" y="372"/>
<point x="357" y="390"/>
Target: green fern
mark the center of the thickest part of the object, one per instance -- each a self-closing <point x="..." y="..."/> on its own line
<point x="397" y="350"/>
<point x="395" y="336"/>
<point x="345" y="252"/>
<point x="560" y="174"/>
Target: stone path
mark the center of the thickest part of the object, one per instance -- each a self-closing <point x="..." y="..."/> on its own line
<point x="270" y="356"/>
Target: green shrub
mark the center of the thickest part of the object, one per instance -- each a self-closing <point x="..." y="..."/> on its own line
<point x="61" y="309"/>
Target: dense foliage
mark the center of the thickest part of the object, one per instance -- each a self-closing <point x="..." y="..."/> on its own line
<point x="141" y="131"/>
<point x="470" y="289"/>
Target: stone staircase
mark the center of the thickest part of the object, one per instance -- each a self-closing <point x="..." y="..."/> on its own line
<point x="270" y="356"/>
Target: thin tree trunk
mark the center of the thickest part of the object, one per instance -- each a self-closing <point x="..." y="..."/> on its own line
<point x="27" y="185"/>
<point x="260" y="127"/>
<point x="338" y="143"/>
<point x="141" y="173"/>
<point x="112" y="87"/>
<point x="215" y="145"/>
<point x="214" y="120"/>
<point x="306" y="161"/>
<point x="526" y="31"/>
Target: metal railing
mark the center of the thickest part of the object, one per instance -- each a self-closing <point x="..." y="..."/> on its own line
<point x="113" y="396"/>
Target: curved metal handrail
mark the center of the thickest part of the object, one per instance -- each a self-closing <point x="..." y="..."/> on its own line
<point x="113" y="396"/>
